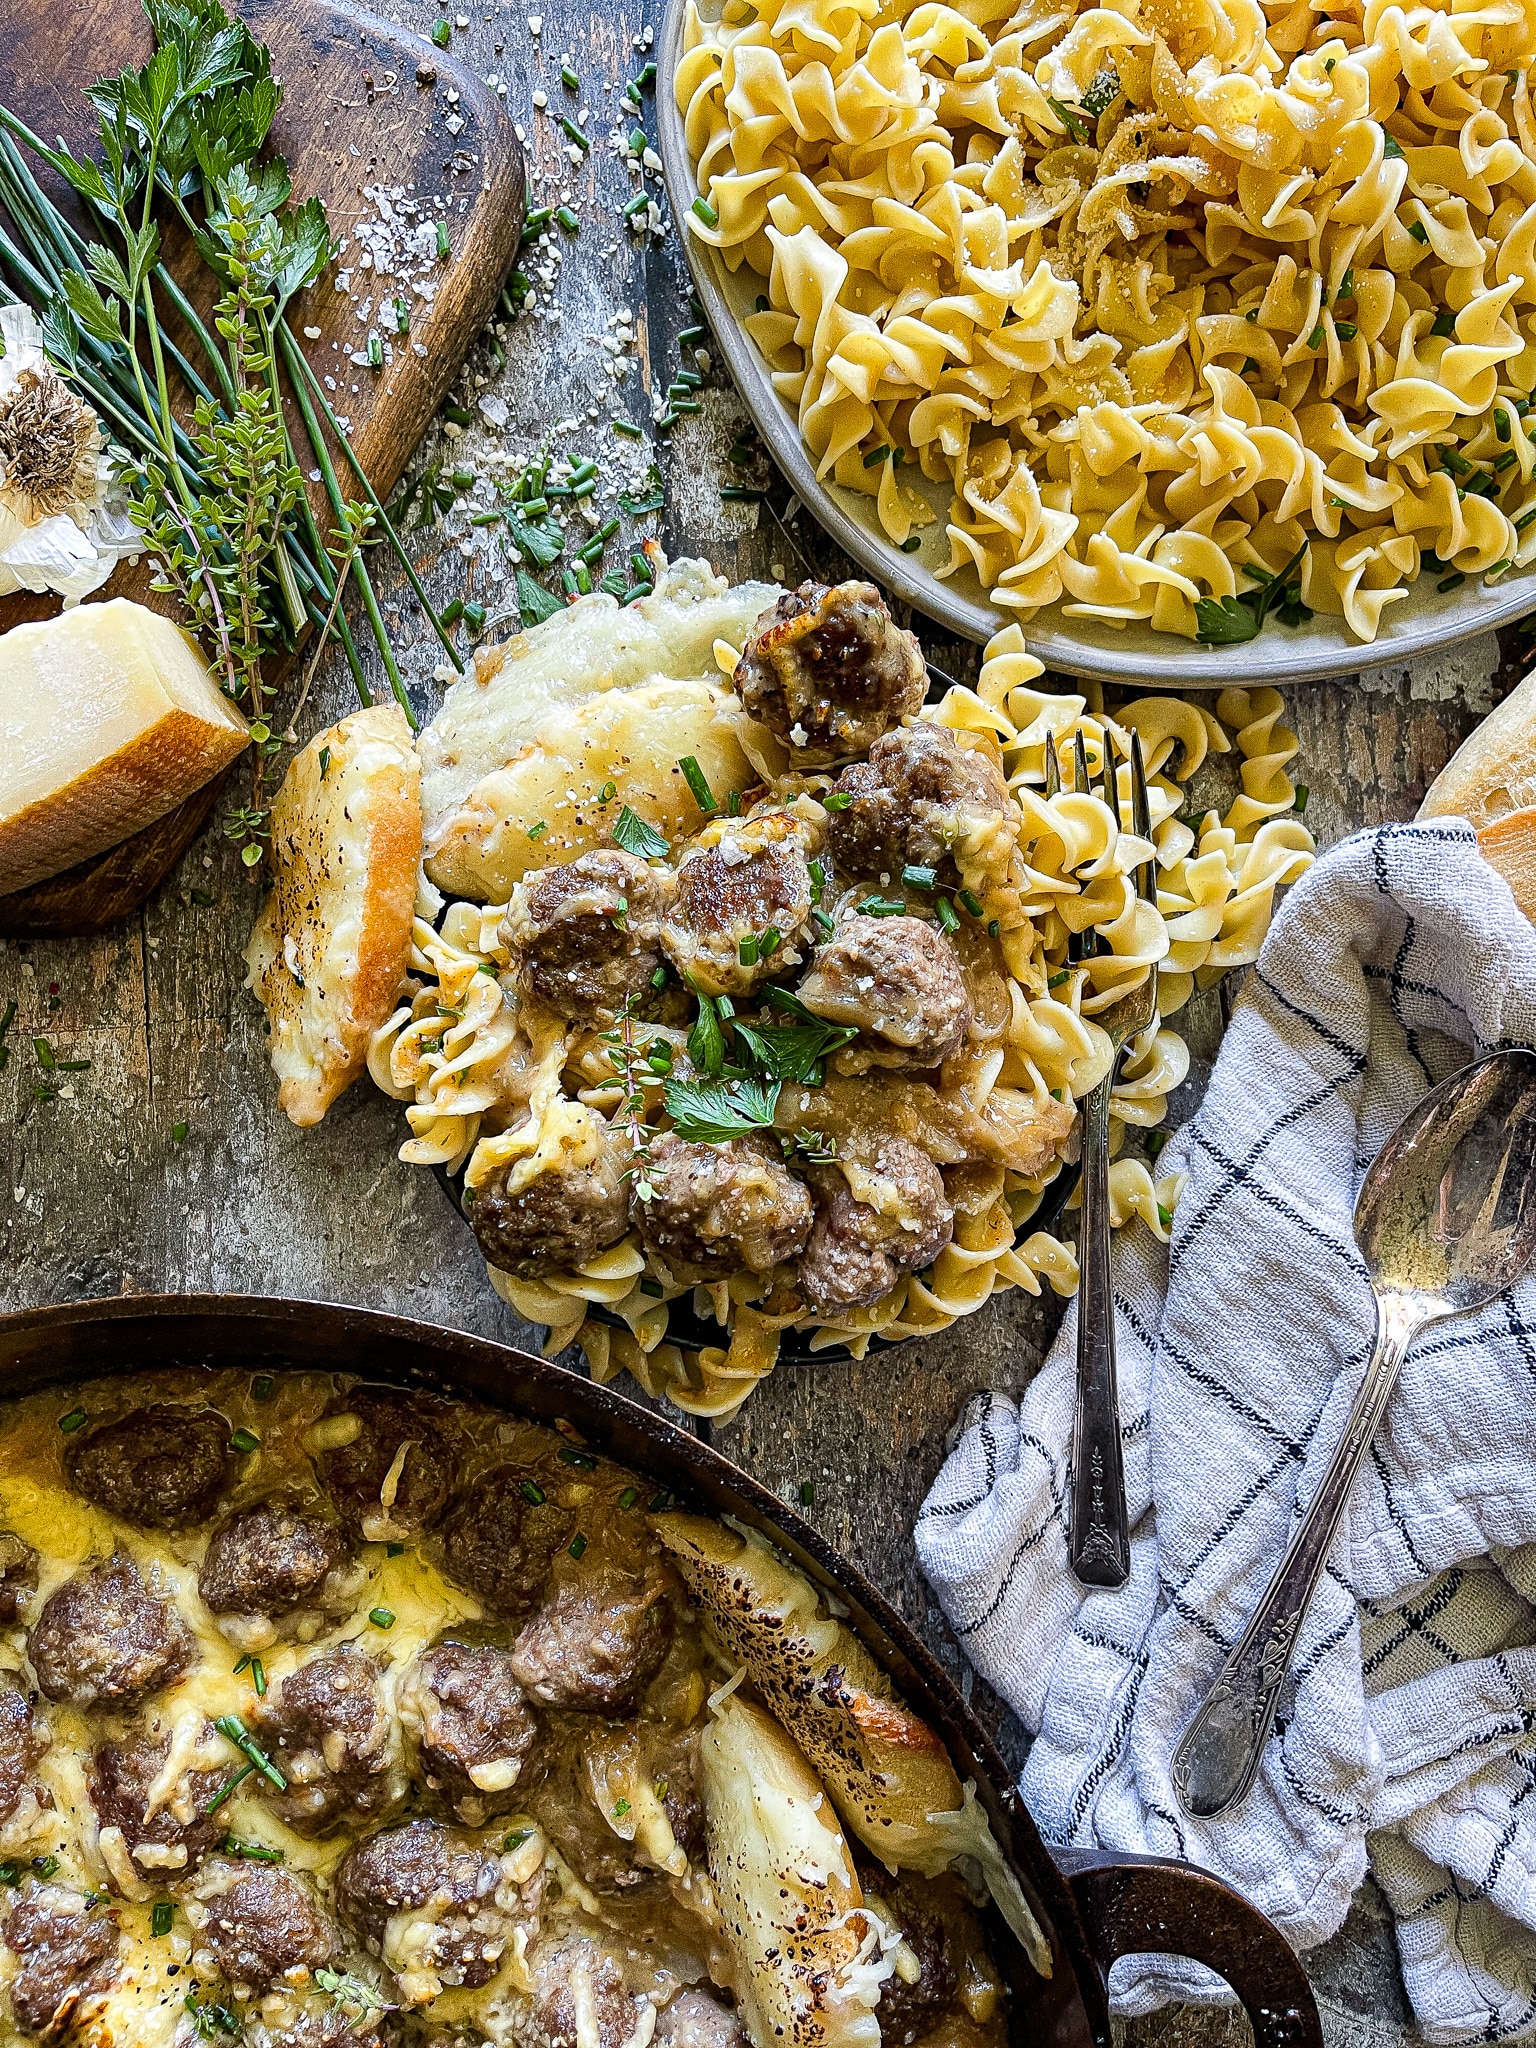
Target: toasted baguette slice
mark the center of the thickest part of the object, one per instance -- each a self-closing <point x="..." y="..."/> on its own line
<point x="329" y="950"/>
<point x="1493" y="771"/>
<point x="1509" y="844"/>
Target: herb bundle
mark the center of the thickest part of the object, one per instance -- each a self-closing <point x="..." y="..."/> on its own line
<point x="214" y="484"/>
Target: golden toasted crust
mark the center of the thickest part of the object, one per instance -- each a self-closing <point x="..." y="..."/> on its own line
<point x="1493" y="771"/>
<point x="329" y="951"/>
<point x="1509" y="844"/>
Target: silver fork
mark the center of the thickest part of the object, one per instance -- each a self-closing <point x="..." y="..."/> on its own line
<point x="1099" y="1540"/>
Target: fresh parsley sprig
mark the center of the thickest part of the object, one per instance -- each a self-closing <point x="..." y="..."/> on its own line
<point x="715" y="1112"/>
<point x="1228" y="621"/>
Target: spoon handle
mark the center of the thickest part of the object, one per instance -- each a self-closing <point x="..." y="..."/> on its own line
<point x="1098" y="1537"/>
<point x="1218" y="1759"/>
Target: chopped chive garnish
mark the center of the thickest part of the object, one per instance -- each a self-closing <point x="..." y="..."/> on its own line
<point x="234" y="1730"/>
<point x="1497" y="568"/>
<point x="1418" y="231"/>
<point x="395" y="1549"/>
<point x="516" y="1840"/>
<point x="219" y="1797"/>
<point x="994" y="928"/>
<point x="1444" y="325"/>
<point x="444" y="245"/>
<point x="161" y="1916"/>
<point x="578" y="1544"/>
<point x="569" y="78"/>
<point x="629" y="430"/>
<point x="243" y="1665"/>
<point x="1056" y="980"/>
<point x="822" y="922"/>
<point x="689" y="405"/>
<point x="877" y="455"/>
<point x="945" y="912"/>
<point x="807" y="1494"/>
<point x="881" y="906"/>
<point x="1346" y="330"/>
<point x="647" y="77"/>
<point x="375" y="352"/>
<point x="45" y="1866"/>
<point x="836" y="800"/>
<point x="970" y="901"/>
<point x="456" y="416"/>
<point x="919" y="878"/>
<point x="261" y="1387"/>
<point x="689" y="380"/>
<point x="742" y="494"/>
<point x="537" y="217"/>
<point x="1300" y="799"/>
<point x="1451" y="582"/>
<point x="245" y="1441"/>
<point x="638" y="140"/>
<point x="259" y="1677"/>
<point x="733" y="803"/>
<point x="706" y="212"/>
<point x="1164" y="1216"/>
<point x="71" y="1422"/>
<point x="582" y="1458"/>
<point x="652" y="1288"/>
<point x="453" y="611"/>
<point x="1315" y="338"/>
<point x="382" y="1617"/>
<point x="441" y="32"/>
<point x="250" y="1852"/>
<point x="746" y="950"/>
<point x="608" y="792"/>
<point x="566" y="219"/>
<point x="581" y="141"/>
<point x="770" y="942"/>
<point x="690" y="337"/>
<point x="695" y="778"/>
<point x="628" y="1497"/>
<point x="911" y="544"/>
<point x="662" y="1500"/>
<point x="533" y="1492"/>
<point x="818" y="875"/>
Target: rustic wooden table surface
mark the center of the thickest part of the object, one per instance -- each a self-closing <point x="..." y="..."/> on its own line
<point x="165" y="1165"/>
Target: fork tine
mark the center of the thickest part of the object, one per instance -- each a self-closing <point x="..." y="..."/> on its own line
<point x="1141" y="813"/>
<point x="1080" y="780"/>
<point x="1052" y="767"/>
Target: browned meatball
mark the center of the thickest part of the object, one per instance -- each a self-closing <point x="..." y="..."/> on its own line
<point x="399" y="1450"/>
<point x="899" y="981"/>
<point x="557" y="1221"/>
<point x="21" y="1744"/>
<point x="695" y="2020"/>
<point x="598" y="1641"/>
<point x="159" y="1468"/>
<point x="104" y="1639"/>
<point x="331" y="1739"/>
<point x="18" y="1576"/>
<point x="268" y="1560"/>
<point x="907" y="2012"/>
<point x="830" y="668"/>
<point x="918" y="798"/>
<point x="714" y="1209"/>
<point x="741" y="908"/>
<point x="477" y="1730"/>
<point x="426" y="1868"/>
<point x="174" y="1838"/>
<point x="585" y="937"/>
<point x="859" y="1251"/>
<point x="500" y="1541"/>
<point x="574" y="1974"/>
<point x="260" y="1925"/>
<point x="68" y="1956"/>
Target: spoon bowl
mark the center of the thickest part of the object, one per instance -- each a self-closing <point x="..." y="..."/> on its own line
<point x="1445" y="1221"/>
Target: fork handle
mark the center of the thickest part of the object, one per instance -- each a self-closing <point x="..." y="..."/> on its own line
<point x="1098" y="1538"/>
<point x="1217" y="1761"/>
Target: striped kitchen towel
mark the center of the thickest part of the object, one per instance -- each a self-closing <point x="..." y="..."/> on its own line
<point x="1406" y="1737"/>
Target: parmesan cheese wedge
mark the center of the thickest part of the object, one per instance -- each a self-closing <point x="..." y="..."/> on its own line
<point x="108" y="719"/>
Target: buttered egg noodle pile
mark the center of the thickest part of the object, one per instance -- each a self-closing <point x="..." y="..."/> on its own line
<point x="1174" y="295"/>
<point x="462" y="1048"/>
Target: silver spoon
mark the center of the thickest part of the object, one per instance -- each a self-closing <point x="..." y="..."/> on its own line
<point x="1445" y="1220"/>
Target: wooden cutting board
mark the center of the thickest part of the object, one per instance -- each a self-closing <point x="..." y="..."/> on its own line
<point x="364" y="105"/>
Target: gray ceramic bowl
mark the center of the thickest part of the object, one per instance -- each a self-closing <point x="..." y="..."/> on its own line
<point x="1422" y="624"/>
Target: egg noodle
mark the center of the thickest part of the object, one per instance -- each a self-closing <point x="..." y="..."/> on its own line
<point x="491" y="1081"/>
<point x="1171" y="294"/>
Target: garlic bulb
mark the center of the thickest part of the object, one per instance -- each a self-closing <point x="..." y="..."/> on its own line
<point x="64" y="523"/>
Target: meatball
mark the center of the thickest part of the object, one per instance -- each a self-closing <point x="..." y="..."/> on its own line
<point x="476" y="1728"/>
<point x="741" y="882"/>
<point x="260" y="1926"/>
<point x="714" y="1209"/>
<point x="598" y="1641"/>
<point x="920" y="798"/>
<point x="392" y="1480"/>
<point x="268" y="1560"/>
<point x="576" y="1977"/>
<point x="499" y="1544"/>
<point x="695" y="2020"/>
<point x="908" y="2010"/>
<point x="427" y="1869"/>
<point x="159" y="1468"/>
<point x="898" y="980"/>
<point x="829" y="668"/>
<point x="586" y="937"/>
<point x="859" y="1249"/>
<point x="104" y="1639"/>
<point x="331" y="1738"/>
<point x="556" y="1221"/>
<point x="18" y="1576"/>
<point x="169" y="1840"/>
<point x="21" y="1744"/>
<point x="67" y="1956"/>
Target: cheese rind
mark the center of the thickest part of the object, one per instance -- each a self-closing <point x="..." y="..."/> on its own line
<point x="108" y="719"/>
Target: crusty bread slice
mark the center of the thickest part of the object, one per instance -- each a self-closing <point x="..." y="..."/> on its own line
<point x="329" y="950"/>
<point x="1509" y="844"/>
<point x="1493" y="771"/>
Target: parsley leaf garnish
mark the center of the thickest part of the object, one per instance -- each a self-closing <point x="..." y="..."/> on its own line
<point x="1228" y="621"/>
<point x="638" y="838"/>
<point x="653" y="499"/>
<point x="793" y="1052"/>
<point x="714" y="1112"/>
<point x="534" y="603"/>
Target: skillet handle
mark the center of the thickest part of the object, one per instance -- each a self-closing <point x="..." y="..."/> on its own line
<point x="1132" y="1905"/>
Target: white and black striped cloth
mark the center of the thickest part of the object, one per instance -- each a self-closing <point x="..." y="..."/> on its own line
<point x="1407" y="1735"/>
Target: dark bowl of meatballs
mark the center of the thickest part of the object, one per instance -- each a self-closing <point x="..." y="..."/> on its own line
<point x="800" y="1002"/>
<point x="367" y="1686"/>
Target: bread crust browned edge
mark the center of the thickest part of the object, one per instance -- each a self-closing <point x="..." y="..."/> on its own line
<point x="157" y="769"/>
<point x="389" y="905"/>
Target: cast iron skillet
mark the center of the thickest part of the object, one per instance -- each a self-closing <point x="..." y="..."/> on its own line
<point x="1092" y="1907"/>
